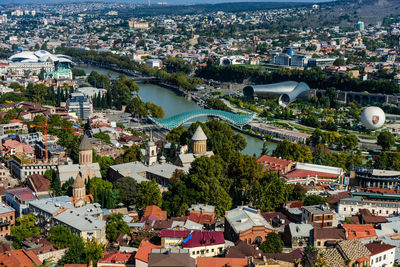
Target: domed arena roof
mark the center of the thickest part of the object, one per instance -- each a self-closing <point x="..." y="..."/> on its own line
<point x="291" y="52"/>
<point x="38" y="56"/>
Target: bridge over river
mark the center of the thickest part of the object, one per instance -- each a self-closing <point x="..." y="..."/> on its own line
<point x="174" y="121"/>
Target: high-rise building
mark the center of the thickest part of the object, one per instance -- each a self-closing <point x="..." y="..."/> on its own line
<point x="148" y="3"/>
<point x="360" y="26"/>
<point x="80" y="104"/>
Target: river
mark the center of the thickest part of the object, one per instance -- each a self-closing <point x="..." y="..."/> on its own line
<point x="173" y="104"/>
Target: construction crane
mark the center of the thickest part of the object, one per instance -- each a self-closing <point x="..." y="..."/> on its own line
<point x="46" y="126"/>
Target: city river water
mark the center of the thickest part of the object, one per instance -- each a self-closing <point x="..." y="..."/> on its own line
<point x="173" y="104"/>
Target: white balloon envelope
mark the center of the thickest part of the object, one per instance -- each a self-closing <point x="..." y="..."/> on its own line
<point x="373" y="117"/>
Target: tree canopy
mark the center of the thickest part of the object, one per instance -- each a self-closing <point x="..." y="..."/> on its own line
<point x="25" y="228"/>
<point x="115" y="226"/>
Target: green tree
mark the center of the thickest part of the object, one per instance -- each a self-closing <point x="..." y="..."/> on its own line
<point x="175" y="135"/>
<point x="387" y="161"/>
<point x="270" y="192"/>
<point x="386" y="140"/>
<point x="66" y="188"/>
<point x="349" y="142"/>
<point x="216" y="103"/>
<point x="178" y="195"/>
<point x="272" y="244"/>
<point x="314" y="199"/>
<point x="154" y="110"/>
<point x="25" y="228"/>
<point x="292" y="151"/>
<point x="103" y="192"/>
<point x="174" y="64"/>
<point x="115" y="226"/>
<point x="148" y="194"/>
<point x="339" y="61"/>
<point x="131" y="154"/>
<point x="62" y="236"/>
<point x="136" y="107"/>
<point x="243" y="171"/>
<point x="77" y="72"/>
<point x="93" y="251"/>
<point x="103" y="136"/>
<point x="298" y="192"/>
<point x="127" y="188"/>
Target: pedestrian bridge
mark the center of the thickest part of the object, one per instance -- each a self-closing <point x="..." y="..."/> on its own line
<point x="179" y="119"/>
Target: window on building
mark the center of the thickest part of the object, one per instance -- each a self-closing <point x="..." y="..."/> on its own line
<point x="344" y="209"/>
<point x="384" y="257"/>
<point x="319" y="243"/>
<point x="207" y="251"/>
<point x="194" y="252"/>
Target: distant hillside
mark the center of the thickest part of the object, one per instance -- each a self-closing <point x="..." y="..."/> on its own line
<point x="369" y="11"/>
<point x="207" y="8"/>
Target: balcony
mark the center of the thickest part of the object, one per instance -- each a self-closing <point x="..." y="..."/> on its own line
<point x="4" y="223"/>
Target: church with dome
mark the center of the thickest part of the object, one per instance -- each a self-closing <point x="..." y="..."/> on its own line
<point x="199" y="148"/>
<point x="79" y="197"/>
<point x="86" y="168"/>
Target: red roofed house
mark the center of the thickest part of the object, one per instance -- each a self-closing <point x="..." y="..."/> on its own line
<point x="7" y="219"/>
<point x="173" y="238"/>
<point x="359" y="231"/>
<point x="142" y="255"/>
<point x="203" y="214"/>
<point x="221" y="262"/>
<point x="43" y="248"/>
<point x="154" y="212"/>
<point x="276" y="164"/>
<point x="19" y="258"/>
<point x="19" y="198"/>
<point x="199" y="243"/>
<point x="39" y="184"/>
<point x="306" y="173"/>
<point x="204" y="244"/>
<point x="11" y="147"/>
<point x="117" y="259"/>
<point x="381" y="254"/>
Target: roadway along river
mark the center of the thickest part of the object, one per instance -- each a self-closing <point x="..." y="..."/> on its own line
<point x="174" y="104"/>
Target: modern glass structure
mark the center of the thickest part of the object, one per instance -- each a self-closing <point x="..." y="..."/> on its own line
<point x="176" y="120"/>
<point x="287" y="91"/>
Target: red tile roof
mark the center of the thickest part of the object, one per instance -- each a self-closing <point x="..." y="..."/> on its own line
<point x="273" y="163"/>
<point x="19" y="258"/>
<point x="201" y="218"/>
<point x="359" y="230"/>
<point x="204" y="238"/>
<point x="377" y="248"/>
<point x="221" y="262"/>
<point x="156" y="212"/>
<point x="24" y="193"/>
<point x="144" y="250"/>
<point x="117" y="257"/>
<point x="174" y="233"/>
<point x="39" y="182"/>
<point x="305" y="173"/>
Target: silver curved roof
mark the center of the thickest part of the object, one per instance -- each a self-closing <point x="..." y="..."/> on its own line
<point x="270" y="89"/>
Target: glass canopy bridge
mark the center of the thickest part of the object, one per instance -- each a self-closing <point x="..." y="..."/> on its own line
<point x="238" y="120"/>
